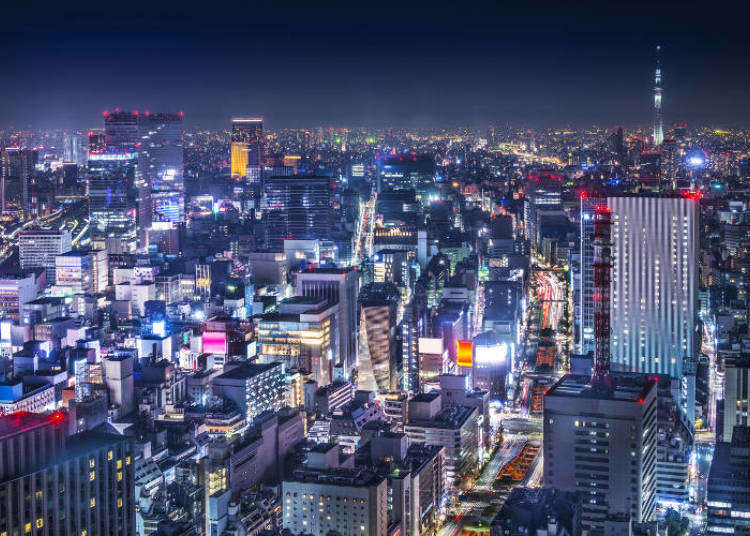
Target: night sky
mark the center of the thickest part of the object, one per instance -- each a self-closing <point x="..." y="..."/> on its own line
<point x="62" y="64"/>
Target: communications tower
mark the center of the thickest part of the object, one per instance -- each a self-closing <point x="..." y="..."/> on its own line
<point x="658" y="119"/>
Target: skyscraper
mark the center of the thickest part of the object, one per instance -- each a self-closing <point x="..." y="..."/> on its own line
<point x="121" y="131"/>
<point x="160" y="156"/>
<point x="16" y="166"/>
<point x="602" y="444"/>
<point x="341" y="286"/>
<point x="112" y="196"/>
<point x="379" y="369"/>
<point x="296" y="207"/>
<point x="658" y="119"/>
<point x="66" y="485"/>
<point x="247" y="145"/>
<point x="653" y="310"/>
<point x="654" y="281"/>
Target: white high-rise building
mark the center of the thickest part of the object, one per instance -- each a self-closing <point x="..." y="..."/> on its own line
<point x="654" y="283"/>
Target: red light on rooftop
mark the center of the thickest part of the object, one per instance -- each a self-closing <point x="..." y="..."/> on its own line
<point x="640" y="400"/>
<point x="695" y="195"/>
<point x="57" y="416"/>
<point x="583" y="194"/>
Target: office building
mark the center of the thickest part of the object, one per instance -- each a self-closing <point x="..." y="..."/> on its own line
<point x="302" y="335"/>
<point x="67" y="485"/>
<point x="406" y="172"/>
<point x="378" y="359"/>
<point x="327" y="497"/>
<point x="246" y="146"/>
<point x="160" y="163"/>
<point x="543" y="198"/>
<point x="37" y="248"/>
<point x="454" y="428"/>
<point x="338" y="286"/>
<point x="16" y="166"/>
<point x="728" y="492"/>
<point x="602" y="443"/>
<point x="15" y="291"/>
<point x="654" y="303"/>
<point x="82" y="271"/>
<point x="296" y="207"/>
<point x="736" y="395"/>
<point x="112" y="199"/>
<point x="254" y="388"/>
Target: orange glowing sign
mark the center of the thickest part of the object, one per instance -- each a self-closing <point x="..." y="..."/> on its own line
<point x="465" y="353"/>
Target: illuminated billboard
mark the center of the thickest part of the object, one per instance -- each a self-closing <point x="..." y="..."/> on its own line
<point x="465" y="353"/>
<point x="215" y="342"/>
<point x="495" y="354"/>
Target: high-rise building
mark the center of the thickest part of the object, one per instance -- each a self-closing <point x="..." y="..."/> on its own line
<point x="37" y="248"/>
<point x="653" y="309"/>
<point x="120" y="131"/>
<point x="736" y="395"/>
<point x="302" y="335"/>
<point x="160" y="167"/>
<point x="297" y="207"/>
<point x="338" y="286"/>
<point x="82" y="271"/>
<point x="246" y="146"/>
<point x="728" y="493"/>
<point x="16" y="167"/>
<point x="658" y="119"/>
<point x="602" y="444"/>
<point x="378" y="363"/>
<point x="66" y="485"/>
<point x="328" y="498"/>
<point x="406" y="172"/>
<point x="112" y="175"/>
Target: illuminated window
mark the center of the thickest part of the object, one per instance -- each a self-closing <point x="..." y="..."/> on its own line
<point x="27" y="527"/>
<point x="127" y="460"/>
<point x="92" y="463"/>
<point x="119" y="503"/>
<point x="39" y="523"/>
<point x="92" y="475"/>
<point x="110" y="455"/>
<point x="119" y="464"/>
<point x="92" y="502"/>
<point x="119" y="475"/>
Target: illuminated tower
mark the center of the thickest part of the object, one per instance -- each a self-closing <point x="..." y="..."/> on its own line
<point x="247" y="140"/>
<point x="602" y="376"/>
<point x="658" y="119"/>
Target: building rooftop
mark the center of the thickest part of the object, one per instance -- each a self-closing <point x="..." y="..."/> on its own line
<point x="16" y="423"/>
<point x="247" y="371"/>
<point x="629" y="386"/>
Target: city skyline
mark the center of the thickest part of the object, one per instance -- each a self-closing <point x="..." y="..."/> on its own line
<point x="410" y="67"/>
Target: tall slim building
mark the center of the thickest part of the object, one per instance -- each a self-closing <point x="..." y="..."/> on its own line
<point x="339" y="286"/>
<point x="16" y="167"/>
<point x="602" y="444"/>
<point x="112" y="200"/>
<point x="51" y="483"/>
<point x="658" y="119"/>
<point x="247" y="144"/>
<point x="378" y="358"/>
<point x="160" y="167"/>
<point x="653" y="310"/>
<point x="297" y="207"/>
